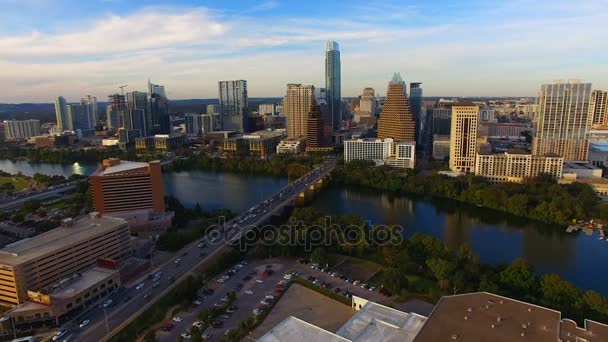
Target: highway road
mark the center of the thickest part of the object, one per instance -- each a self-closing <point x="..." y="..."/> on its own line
<point x="130" y="301"/>
<point x="58" y="189"/>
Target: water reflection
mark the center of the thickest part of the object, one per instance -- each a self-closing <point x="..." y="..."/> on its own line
<point x="28" y="169"/>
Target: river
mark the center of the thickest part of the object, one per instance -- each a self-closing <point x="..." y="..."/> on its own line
<point x="497" y="237"/>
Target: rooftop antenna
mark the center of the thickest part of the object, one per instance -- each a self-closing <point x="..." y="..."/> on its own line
<point x="122" y="92"/>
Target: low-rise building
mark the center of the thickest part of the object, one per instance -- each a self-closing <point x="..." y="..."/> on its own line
<point x="503" y="129"/>
<point x="441" y="147"/>
<point x="145" y="145"/>
<point x="385" y="151"/>
<point x="168" y="142"/>
<point x="291" y="146"/>
<point x="517" y="166"/>
<point x="260" y="143"/>
<point x="21" y="129"/>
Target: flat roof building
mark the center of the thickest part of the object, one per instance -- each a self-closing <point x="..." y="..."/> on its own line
<point x="35" y="263"/>
<point x="517" y="166"/>
<point x="463" y="136"/>
<point x="120" y="186"/>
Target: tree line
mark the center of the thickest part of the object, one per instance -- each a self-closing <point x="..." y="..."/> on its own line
<point x="540" y="198"/>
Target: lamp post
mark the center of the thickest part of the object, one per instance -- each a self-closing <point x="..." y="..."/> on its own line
<point x="105" y="313"/>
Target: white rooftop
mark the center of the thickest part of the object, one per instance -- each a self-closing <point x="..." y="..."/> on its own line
<point x="375" y="322"/>
<point x="293" y="329"/>
<point x="122" y="167"/>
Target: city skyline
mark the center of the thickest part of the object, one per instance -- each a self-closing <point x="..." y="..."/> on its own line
<point x="496" y="49"/>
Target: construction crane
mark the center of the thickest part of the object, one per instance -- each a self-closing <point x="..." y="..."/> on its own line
<point x="122" y="92"/>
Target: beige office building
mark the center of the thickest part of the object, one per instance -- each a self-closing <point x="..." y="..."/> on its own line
<point x="517" y="166"/>
<point x="34" y="264"/>
<point x="563" y="119"/>
<point x="599" y="107"/>
<point x="296" y="105"/>
<point x="463" y="137"/>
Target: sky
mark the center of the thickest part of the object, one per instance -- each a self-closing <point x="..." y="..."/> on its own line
<point x="455" y="48"/>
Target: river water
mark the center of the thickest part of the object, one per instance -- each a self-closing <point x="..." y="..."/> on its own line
<point x="495" y="236"/>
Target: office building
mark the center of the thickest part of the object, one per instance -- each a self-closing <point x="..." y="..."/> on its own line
<point x="81" y="117"/>
<point x="527" y="110"/>
<point x="158" y="115"/>
<point x="43" y="260"/>
<point x="396" y="121"/>
<point x="333" y="83"/>
<point x="416" y="108"/>
<point x="233" y="105"/>
<point x="145" y="145"/>
<point x="297" y="105"/>
<point x="381" y="152"/>
<point x="120" y="186"/>
<point x="517" y="166"/>
<point x="21" y="129"/>
<point x="168" y="142"/>
<point x="319" y="129"/>
<point x="320" y="93"/>
<point x="91" y="103"/>
<point x="599" y="107"/>
<point x="213" y="109"/>
<point x="441" y="147"/>
<point x="441" y="120"/>
<point x="156" y="89"/>
<point x="61" y="114"/>
<point x="487" y="115"/>
<point x="260" y="143"/>
<point x="194" y="125"/>
<point x="137" y="118"/>
<point x="563" y="120"/>
<point x="463" y="137"/>
<point x="210" y="122"/>
<point x="367" y="103"/>
<point x="266" y="109"/>
<point x="503" y="129"/>
<point x="484" y="316"/>
<point x="291" y="146"/>
<point x="135" y="122"/>
<point x="115" y="112"/>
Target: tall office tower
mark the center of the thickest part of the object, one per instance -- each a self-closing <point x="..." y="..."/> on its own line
<point x="137" y="104"/>
<point x="297" y="105"/>
<point x="233" y="105"/>
<point x="463" y="137"/>
<point x="333" y="83"/>
<point x="416" y="109"/>
<point x="81" y="117"/>
<point x="120" y="186"/>
<point x="319" y="129"/>
<point x="563" y="119"/>
<point x="396" y="121"/>
<point x="266" y="109"/>
<point x="156" y="89"/>
<point x="194" y="125"/>
<point x="61" y="114"/>
<point x="135" y="122"/>
<point x="91" y="102"/>
<point x="21" y="129"/>
<point x="599" y="107"/>
<point x="116" y="111"/>
<point x="321" y="93"/>
<point x="158" y="117"/>
<point x="368" y="101"/>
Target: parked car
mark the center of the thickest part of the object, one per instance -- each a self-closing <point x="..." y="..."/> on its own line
<point x="84" y="323"/>
<point x="186" y="336"/>
<point x="177" y="319"/>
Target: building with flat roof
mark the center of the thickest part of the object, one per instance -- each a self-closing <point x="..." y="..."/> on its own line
<point x="35" y="263"/>
<point x="260" y="143"/>
<point x="441" y="147"/>
<point x="122" y="186"/>
<point x="517" y="166"/>
<point x="168" y="142"/>
<point x="463" y="136"/>
<point x="21" y="129"/>
<point x="387" y="151"/>
<point x="484" y="316"/>
<point x="291" y="146"/>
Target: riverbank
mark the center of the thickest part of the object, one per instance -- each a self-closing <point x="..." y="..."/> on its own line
<point x="541" y="199"/>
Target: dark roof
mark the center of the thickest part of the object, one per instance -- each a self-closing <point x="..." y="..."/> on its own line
<point x="463" y="104"/>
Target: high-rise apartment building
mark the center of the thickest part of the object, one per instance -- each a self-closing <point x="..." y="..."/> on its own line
<point x="416" y="108"/>
<point x="213" y="109"/>
<point x="599" y="107"/>
<point x="266" y="109"/>
<point x="156" y="89"/>
<point x="194" y="125"/>
<point x="233" y="105"/>
<point x="463" y="137"/>
<point x="120" y="186"/>
<point x="91" y="103"/>
<point x="159" y="120"/>
<point x="61" y="114"/>
<point x="115" y="111"/>
<point x="21" y="129"/>
<point x="319" y="130"/>
<point x="297" y="105"/>
<point x="138" y="118"/>
<point x="563" y="119"/>
<point x="39" y="262"/>
<point x="368" y="101"/>
<point x="81" y="117"/>
<point x="333" y="83"/>
<point x="396" y="121"/>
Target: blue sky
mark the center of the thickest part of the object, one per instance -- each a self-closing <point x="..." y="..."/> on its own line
<point x="464" y="48"/>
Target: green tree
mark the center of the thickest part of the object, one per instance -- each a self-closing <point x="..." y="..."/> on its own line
<point x="519" y="278"/>
<point x="319" y="256"/>
<point x="394" y="280"/>
<point x="441" y="270"/>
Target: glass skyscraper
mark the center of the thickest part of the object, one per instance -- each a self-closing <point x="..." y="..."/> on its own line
<point x="416" y="109"/>
<point x="61" y="113"/>
<point x="233" y="105"/>
<point x="333" y="83"/>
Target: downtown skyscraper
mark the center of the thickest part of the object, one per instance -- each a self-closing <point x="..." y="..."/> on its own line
<point x="463" y="137"/>
<point x="61" y="114"/>
<point x="563" y="120"/>
<point x="333" y="82"/>
<point x="396" y="120"/>
<point x="233" y="105"/>
<point x="296" y="106"/>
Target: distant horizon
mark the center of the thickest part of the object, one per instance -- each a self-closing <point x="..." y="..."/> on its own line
<point x="72" y="48"/>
